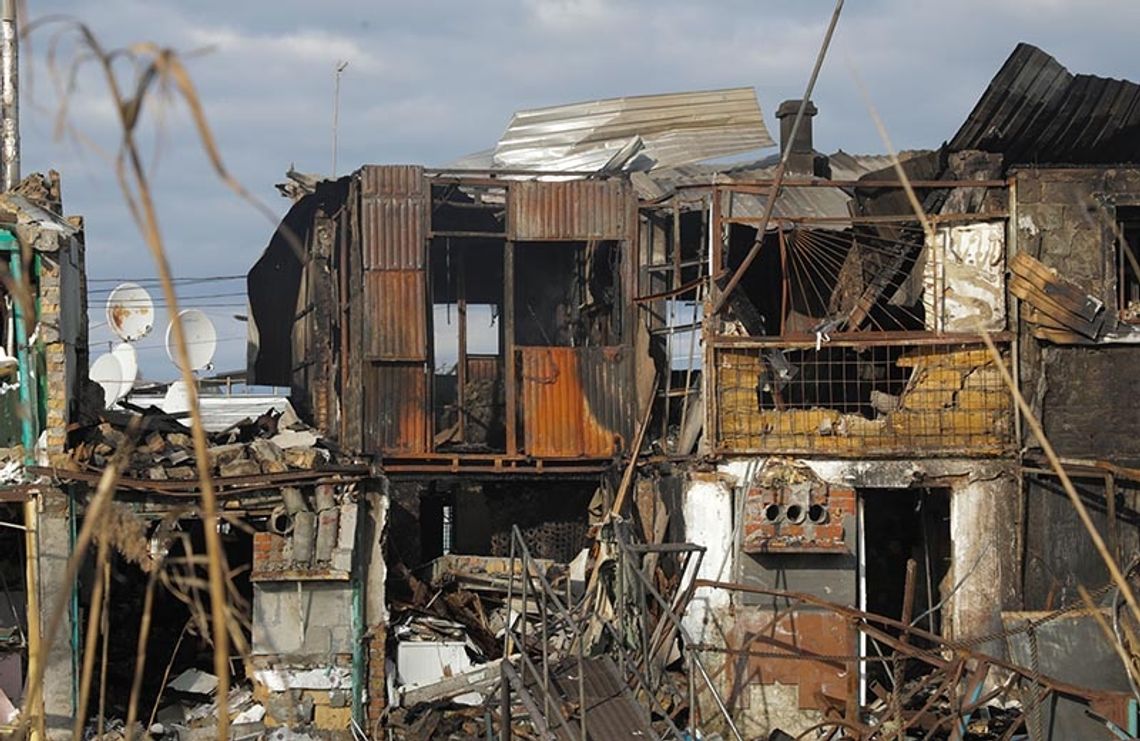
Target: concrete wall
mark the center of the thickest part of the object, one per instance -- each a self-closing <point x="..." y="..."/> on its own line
<point x="302" y="619"/>
<point x="767" y="693"/>
<point x="305" y="631"/>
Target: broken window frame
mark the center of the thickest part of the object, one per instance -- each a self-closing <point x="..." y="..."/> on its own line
<point x="1124" y="287"/>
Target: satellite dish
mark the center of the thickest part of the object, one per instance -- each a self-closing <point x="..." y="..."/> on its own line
<point x="130" y="311"/>
<point x="125" y="353"/>
<point x="177" y="398"/>
<point x="201" y="339"/>
<point x="107" y="371"/>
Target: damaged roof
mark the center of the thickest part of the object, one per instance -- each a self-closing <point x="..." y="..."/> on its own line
<point x="637" y="132"/>
<point x="1035" y="110"/>
<point x="812" y="202"/>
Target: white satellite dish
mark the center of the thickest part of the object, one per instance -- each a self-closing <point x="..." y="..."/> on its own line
<point x="125" y="353"/>
<point x="177" y="398"/>
<point x="201" y="339"/>
<point x="107" y="371"/>
<point x="130" y="311"/>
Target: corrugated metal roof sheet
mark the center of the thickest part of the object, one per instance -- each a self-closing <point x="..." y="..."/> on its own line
<point x="674" y="129"/>
<point x="793" y="201"/>
<point x="1036" y="111"/>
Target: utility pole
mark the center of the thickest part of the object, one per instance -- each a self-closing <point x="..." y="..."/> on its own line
<point x="340" y="66"/>
<point x="9" y="96"/>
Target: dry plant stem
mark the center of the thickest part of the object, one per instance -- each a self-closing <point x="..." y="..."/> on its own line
<point x="911" y="196"/>
<point x="93" y="620"/>
<point x="1105" y="628"/>
<point x="216" y="569"/>
<point x="135" y="185"/>
<point x="1034" y="424"/>
<point x="95" y="511"/>
<point x="1066" y="482"/>
<point x="166" y="674"/>
<point x="140" y="651"/>
<point x="106" y="630"/>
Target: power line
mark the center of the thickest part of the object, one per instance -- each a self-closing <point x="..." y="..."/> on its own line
<point x="156" y="281"/>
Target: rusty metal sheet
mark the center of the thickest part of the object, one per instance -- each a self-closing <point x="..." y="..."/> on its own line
<point x="610" y="393"/>
<point x="567" y="413"/>
<point x="393" y="220"/>
<point x="482" y="367"/>
<point x="396" y="399"/>
<point x="393" y="233"/>
<point x="396" y="302"/>
<point x="391" y="180"/>
<point x="571" y="210"/>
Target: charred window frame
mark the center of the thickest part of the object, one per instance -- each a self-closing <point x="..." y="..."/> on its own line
<point x="1125" y="266"/>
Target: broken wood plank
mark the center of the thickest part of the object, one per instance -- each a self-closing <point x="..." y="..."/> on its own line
<point x="1027" y="291"/>
<point x="1062" y="291"/>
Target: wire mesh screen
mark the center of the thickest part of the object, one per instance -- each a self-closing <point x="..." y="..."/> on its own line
<point x="879" y="399"/>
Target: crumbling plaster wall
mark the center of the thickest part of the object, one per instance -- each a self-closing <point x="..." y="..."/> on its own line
<point x="1083" y="395"/>
<point x="985" y="555"/>
<point x="305" y="634"/>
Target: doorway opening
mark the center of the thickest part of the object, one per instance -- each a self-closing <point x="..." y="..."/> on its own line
<point x="898" y="526"/>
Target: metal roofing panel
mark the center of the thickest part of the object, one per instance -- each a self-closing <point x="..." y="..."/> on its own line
<point x="793" y="201"/>
<point x="1036" y="111"/>
<point x="673" y="129"/>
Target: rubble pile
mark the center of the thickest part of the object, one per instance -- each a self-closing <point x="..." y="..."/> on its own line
<point x="274" y="443"/>
<point x="447" y="639"/>
<point x="192" y="713"/>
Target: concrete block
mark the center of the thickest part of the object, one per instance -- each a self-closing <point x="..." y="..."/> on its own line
<point x="327" y="522"/>
<point x="346" y="535"/>
<point x="221" y="454"/>
<point x="304" y="538"/>
<point x="240" y="467"/>
<point x="328" y="718"/>
<point x="341" y="559"/>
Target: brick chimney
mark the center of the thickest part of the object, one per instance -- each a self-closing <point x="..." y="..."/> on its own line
<point x="802" y="159"/>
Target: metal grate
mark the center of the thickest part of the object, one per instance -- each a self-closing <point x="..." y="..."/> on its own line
<point x="860" y="400"/>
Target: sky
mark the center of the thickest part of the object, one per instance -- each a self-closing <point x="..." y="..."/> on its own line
<point x="430" y="81"/>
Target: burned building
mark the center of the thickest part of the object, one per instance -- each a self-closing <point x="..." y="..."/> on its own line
<point x="757" y="420"/>
<point x="43" y="364"/>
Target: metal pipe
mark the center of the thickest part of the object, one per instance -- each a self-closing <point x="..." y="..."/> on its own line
<point x="28" y="433"/>
<point x="774" y="192"/>
<point x="9" y="96"/>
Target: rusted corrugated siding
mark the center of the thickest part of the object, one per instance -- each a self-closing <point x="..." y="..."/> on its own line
<point x="609" y="391"/>
<point x="393" y="232"/>
<point x="482" y="368"/>
<point x="393" y="219"/>
<point x="396" y="400"/>
<point x="391" y="180"/>
<point x="572" y="210"/>
<point x="558" y="420"/>
<point x="397" y="301"/>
